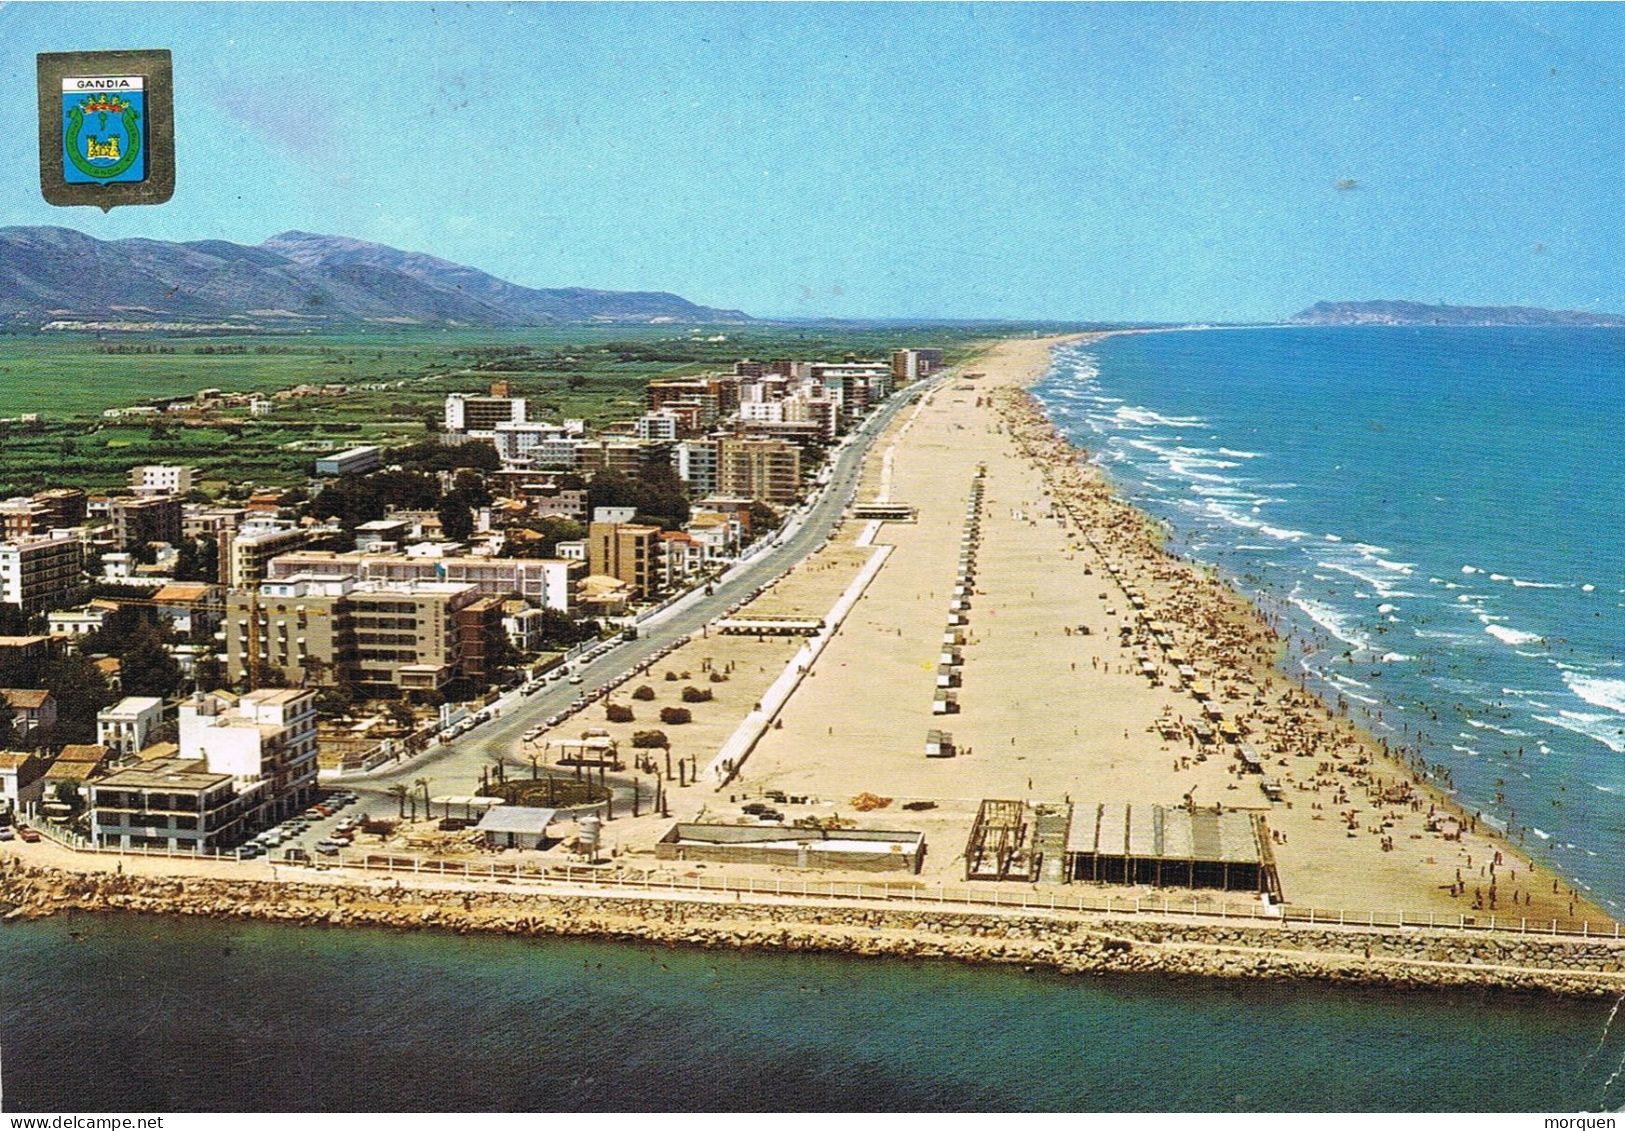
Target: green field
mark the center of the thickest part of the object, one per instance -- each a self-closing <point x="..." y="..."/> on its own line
<point x="593" y="372"/>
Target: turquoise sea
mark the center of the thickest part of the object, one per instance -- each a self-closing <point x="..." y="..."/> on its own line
<point x="1437" y="514"/>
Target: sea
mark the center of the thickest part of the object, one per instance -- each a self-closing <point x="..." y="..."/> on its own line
<point x="1433" y="516"/>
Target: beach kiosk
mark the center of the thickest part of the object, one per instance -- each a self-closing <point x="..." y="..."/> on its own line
<point x="939" y="744"/>
<point x="592" y="750"/>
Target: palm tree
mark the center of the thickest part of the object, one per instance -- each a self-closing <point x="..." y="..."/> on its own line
<point x="398" y="792"/>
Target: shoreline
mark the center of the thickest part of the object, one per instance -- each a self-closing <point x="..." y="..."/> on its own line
<point x="1067" y="468"/>
<point x="1413" y="958"/>
<point x="1083" y="941"/>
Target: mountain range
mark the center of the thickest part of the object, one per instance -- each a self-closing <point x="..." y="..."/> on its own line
<point x="58" y="277"/>
<point x="1399" y="313"/>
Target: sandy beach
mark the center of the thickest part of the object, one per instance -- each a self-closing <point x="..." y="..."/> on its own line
<point x="1051" y="712"/>
<point x="1063" y="696"/>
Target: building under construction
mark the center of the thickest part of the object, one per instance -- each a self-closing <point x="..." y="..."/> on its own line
<point x="1121" y="843"/>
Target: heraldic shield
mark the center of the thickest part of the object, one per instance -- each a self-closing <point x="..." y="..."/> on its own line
<point x="104" y="130"/>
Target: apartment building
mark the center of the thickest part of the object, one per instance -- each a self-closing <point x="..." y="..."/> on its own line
<point x="520" y="441"/>
<point x="767" y="471"/>
<point x="323" y="631"/>
<point x="239" y="768"/>
<point x="266" y="743"/>
<point x="550" y="582"/>
<point x="629" y="552"/>
<point x="65" y="506"/>
<point x="245" y="552"/>
<point x="635" y="459"/>
<point x="469" y="414"/>
<point x="161" y="479"/>
<point x="36" y="572"/>
<point x="125" y="727"/>
<point x="151" y="518"/>
<point x="657" y="426"/>
<point x="23" y="517"/>
<point x="174" y="804"/>
<point x="913" y="364"/>
<point x="696" y="464"/>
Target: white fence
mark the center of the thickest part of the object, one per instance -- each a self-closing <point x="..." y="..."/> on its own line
<point x="1047" y="898"/>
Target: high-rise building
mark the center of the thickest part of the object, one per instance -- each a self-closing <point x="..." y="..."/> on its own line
<point x="65" y="506"/>
<point x="151" y="518"/>
<point x="469" y="414"/>
<point x="36" y="572"/>
<point x="245" y="552"/>
<point x="767" y="471"/>
<point x="628" y="552"/>
<point x="326" y="631"/>
<point x="696" y="465"/>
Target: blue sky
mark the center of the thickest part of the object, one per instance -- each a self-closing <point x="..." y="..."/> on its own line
<point x="955" y="160"/>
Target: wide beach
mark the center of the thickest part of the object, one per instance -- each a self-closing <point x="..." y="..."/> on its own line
<point x="1049" y="712"/>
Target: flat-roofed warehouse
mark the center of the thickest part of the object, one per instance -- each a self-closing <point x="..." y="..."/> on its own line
<point x="1166" y="846"/>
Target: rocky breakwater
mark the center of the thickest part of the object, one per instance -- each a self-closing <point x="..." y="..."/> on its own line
<point x="1067" y="943"/>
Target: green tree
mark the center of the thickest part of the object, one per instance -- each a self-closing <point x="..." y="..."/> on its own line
<point x="210" y="673"/>
<point x="80" y="692"/>
<point x="147" y="668"/>
<point x="456" y="523"/>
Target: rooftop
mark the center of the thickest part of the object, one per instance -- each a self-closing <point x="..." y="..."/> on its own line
<point x="131" y="705"/>
<point x="515" y="819"/>
<point x="170" y="773"/>
<point x="24" y="698"/>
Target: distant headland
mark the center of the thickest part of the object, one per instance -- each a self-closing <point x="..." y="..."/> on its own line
<point x="1389" y="312"/>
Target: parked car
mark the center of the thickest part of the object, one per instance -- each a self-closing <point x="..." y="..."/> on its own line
<point x="327" y="848"/>
<point x="6" y="833"/>
<point x="30" y="836"/>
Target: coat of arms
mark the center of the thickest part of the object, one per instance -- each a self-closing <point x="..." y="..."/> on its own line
<point x="103" y="130"/>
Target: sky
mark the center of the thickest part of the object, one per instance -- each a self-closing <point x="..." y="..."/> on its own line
<point x="1198" y="162"/>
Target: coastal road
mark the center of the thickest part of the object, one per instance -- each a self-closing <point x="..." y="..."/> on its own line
<point x="454" y="768"/>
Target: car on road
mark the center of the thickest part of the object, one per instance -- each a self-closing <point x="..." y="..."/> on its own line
<point x="29" y="836"/>
<point x="575" y="677"/>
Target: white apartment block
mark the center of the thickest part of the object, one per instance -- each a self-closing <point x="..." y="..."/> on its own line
<point x="125" y="726"/>
<point x="35" y="572"/>
<point x="161" y="479"/>
<point x="475" y="415"/>
<point x="520" y="441"/>
<point x="266" y="744"/>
